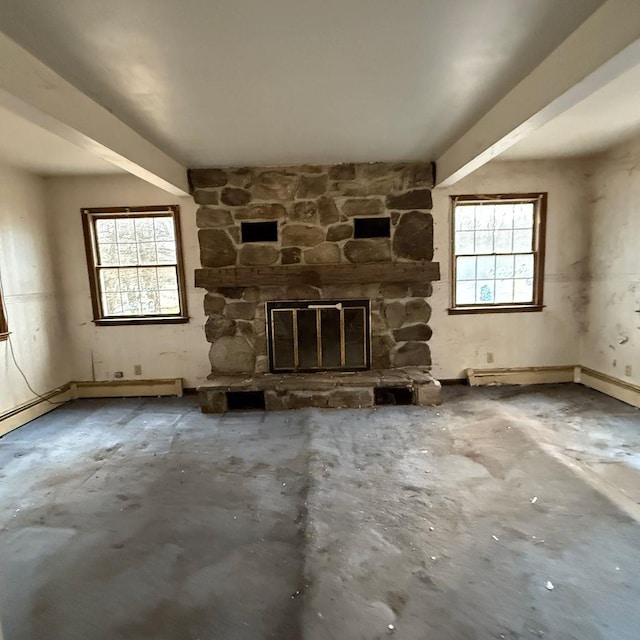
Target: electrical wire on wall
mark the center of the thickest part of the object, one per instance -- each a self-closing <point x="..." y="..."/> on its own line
<point x="13" y="354"/>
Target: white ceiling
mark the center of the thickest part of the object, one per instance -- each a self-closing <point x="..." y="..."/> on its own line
<point x="25" y="145"/>
<point x="233" y="82"/>
<point x="602" y="120"/>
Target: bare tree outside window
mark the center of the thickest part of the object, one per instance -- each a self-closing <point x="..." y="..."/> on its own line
<point x="497" y="253"/>
<point x="135" y="264"/>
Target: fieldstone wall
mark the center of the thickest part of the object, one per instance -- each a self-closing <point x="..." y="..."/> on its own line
<point x="314" y="207"/>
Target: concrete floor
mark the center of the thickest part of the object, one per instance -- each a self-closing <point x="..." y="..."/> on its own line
<point x="144" y="519"/>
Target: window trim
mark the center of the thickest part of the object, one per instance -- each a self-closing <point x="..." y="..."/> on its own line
<point x="4" y="325"/>
<point x="89" y="215"/>
<point x="540" y="226"/>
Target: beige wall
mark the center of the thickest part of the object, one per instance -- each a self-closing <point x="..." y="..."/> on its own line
<point x="36" y="319"/>
<point x="163" y="351"/>
<point x="57" y="340"/>
<point x="611" y="342"/>
<point x="550" y="337"/>
<point x="522" y="339"/>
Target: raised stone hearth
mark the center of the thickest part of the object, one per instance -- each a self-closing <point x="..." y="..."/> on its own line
<point x="286" y="234"/>
<point x="323" y="389"/>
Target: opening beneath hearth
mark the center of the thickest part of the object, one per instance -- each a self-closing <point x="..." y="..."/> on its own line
<point x="245" y="400"/>
<point x="319" y="335"/>
<point x="393" y="395"/>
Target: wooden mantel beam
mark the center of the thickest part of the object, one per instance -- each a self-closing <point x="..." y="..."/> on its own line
<point x="317" y="275"/>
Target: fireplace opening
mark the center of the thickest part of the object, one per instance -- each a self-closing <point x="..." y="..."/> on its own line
<point x="393" y="395"/>
<point x="319" y="335"/>
<point x="245" y="400"/>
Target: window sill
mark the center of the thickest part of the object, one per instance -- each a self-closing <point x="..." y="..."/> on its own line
<point x="109" y="322"/>
<point x="520" y="308"/>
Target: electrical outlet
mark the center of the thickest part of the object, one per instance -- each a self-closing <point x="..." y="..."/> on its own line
<point x="118" y="374"/>
<point x="489" y="356"/>
<point x="627" y="370"/>
<point x="137" y="369"/>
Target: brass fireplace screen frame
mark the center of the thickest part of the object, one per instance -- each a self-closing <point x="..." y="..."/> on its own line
<point x="323" y="309"/>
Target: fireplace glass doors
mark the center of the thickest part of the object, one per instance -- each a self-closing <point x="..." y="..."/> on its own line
<point x="319" y="335"/>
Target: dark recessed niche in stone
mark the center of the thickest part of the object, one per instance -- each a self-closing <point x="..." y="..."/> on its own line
<point x="372" y="227"/>
<point x="259" y="231"/>
<point x="393" y="395"/>
<point x="245" y="400"/>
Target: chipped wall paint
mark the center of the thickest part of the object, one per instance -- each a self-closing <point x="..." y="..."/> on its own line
<point x="36" y="320"/>
<point x="611" y="341"/>
<point x="163" y="351"/>
<point x="548" y="338"/>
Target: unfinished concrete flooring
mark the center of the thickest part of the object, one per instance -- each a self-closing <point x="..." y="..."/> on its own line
<point x="144" y="519"/>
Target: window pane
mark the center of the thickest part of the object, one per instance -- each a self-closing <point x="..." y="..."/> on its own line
<point x="150" y="302"/>
<point x="498" y="266"/>
<point x="504" y="291"/>
<point x="166" y="252"/>
<point x="486" y="267"/>
<point x="127" y="254"/>
<point x="144" y="229"/>
<point x="523" y="290"/>
<point x="523" y="218"/>
<point x="108" y="254"/>
<point x="466" y="292"/>
<point x="131" y="300"/>
<point x="112" y="303"/>
<point x="484" y="217"/>
<point x="167" y="278"/>
<point x="125" y="229"/>
<point x="504" y="266"/>
<point x="504" y="241"/>
<point x="147" y="277"/>
<point x="109" y="280"/>
<point x="485" y="291"/>
<point x="169" y="302"/>
<point x="106" y="230"/>
<point x="524" y="266"/>
<point x="164" y="228"/>
<point x="128" y="279"/>
<point x="465" y="218"/>
<point x="147" y="253"/>
<point x="484" y="242"/>
<point x="504" y="216"/>
<point x="122" y="243"/>
<point x="466" y="268"/>
<point x="464" y="242"/>
<point x="523" y="240"/>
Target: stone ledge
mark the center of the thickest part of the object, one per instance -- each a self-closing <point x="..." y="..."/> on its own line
<point x="327" y="389"/>
<point x="326" y="274"/>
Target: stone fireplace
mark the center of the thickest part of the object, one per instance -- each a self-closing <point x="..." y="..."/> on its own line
<point x="316" y="276"/>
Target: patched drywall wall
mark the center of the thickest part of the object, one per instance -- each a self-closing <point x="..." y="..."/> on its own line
<point x="29" y="276"/>
<point x="162" y="351"/>
<point x="547" y="338"/>
<point x="611" y="341"/>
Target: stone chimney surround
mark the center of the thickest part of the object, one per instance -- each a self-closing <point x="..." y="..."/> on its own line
<point x="304" y="247"/>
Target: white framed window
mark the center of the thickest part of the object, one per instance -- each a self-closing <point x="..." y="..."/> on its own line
<point x="497" y="252"/>
<point x="135" y="265"/>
